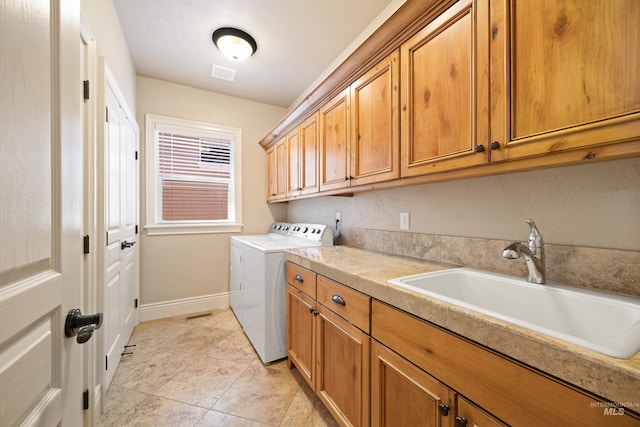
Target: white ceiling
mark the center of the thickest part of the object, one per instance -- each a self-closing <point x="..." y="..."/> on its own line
<point x="297" y="40"/>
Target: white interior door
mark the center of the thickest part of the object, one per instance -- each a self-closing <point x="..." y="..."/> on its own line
<point x="120" y="218"/>
<point x="40" y="212"/>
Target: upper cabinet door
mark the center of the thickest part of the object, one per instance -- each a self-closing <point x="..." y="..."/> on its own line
<point x="375" y="123"/>
<point x="334" y="142"/>
<point x="277" y="171"/>
<point x="293" y="159"/>
<point x="444" y="95"/>
<point x="309" y="135"/>
<point x="564" y="75"/>
<point x="272" y="173"/>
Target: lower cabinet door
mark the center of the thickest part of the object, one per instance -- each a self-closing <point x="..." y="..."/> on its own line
<point x="403" y="395"/>
<point x="300" y="333"/>
<point x="342" y="366"/>
<point x="472" y="416"/>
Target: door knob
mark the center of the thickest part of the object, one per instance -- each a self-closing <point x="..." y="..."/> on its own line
<point x="81" y="326"/>
<point x="126" y="244"/>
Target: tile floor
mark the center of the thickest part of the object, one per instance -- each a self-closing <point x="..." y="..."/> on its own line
<point x="204" y="372"/>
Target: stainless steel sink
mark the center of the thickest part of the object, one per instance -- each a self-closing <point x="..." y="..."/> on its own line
<point x="604" y="322"/>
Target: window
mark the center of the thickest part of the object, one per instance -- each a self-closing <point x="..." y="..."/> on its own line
<point x="193" y="177"/>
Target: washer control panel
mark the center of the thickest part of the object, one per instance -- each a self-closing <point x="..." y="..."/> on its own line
<point x="280" y="228"/>
<point x="319" y="233"/>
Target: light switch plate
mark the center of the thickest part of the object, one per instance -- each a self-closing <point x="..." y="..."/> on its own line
<point x="404" y="220"/>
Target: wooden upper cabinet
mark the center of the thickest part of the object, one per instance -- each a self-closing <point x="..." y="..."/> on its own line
<point x="272" y="173"/>
<point x="309" y="137"/>
<point x="277" y="171"/>
<point x="293" y="159"/>
<point x="334" y="142"/>
<point x="302" y="152"/>
<point x="564" y="75"/>
<point x="375" y="124"/>
<point x="444" y="94"/>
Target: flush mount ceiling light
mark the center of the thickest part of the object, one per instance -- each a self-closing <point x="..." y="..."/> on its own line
<point x="234" y="44"/>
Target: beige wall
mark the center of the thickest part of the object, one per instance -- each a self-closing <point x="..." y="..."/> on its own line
<point x="596" y="205"/>
<point x="105" y="27"/>
<point x="185" y="266"/>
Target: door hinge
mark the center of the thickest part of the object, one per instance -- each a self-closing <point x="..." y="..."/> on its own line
<point x="85" y="244"/>
<point x="135" y="303"/>
<point x="136" y="228"/>
<point x="136" y="154"/>
<point x="85" y="89"/>
<point x="106" y="363"/>
<point x="85" y="399"/>
<point x="106" y="114"/>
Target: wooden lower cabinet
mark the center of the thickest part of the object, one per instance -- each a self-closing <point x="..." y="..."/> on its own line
<point x="468" y="414"/>
<point x="410" y="373"/>
<point x="510" y="391"/>
<point x="329" y="350"/>
<point x="342" y="366"/>
<point x="300" y="333"/>
<point x="404" y="395"/>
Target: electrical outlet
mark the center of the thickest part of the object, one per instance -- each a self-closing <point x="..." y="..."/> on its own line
<point x="338" y="216"/>
<point x="404" y="220"/>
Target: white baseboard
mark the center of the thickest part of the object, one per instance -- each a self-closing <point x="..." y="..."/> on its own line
<point x="161" y="310"/>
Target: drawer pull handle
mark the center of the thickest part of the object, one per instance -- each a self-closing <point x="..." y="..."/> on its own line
<point x="338" y="300"/>
<point x="299" y="278"/>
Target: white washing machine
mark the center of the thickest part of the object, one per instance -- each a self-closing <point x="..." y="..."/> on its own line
<point x="257" y="282"/>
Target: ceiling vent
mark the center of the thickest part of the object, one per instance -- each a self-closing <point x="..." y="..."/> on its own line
<point x="223" y="73"/>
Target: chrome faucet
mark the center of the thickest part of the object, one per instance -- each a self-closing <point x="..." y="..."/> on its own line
<point x="533" y="254"/>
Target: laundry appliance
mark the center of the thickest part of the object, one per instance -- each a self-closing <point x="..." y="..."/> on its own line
<point x="257" y="282"/>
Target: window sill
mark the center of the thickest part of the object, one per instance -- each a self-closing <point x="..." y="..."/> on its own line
<point x="160" y="230"/>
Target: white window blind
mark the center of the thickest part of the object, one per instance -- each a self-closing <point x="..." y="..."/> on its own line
<point x="195" y="174"/>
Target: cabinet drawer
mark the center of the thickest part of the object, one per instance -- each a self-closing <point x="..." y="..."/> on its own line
<point x="301" y="278"/>
<point x="352" y="305"/>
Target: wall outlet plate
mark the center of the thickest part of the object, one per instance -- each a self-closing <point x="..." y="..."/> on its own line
<point x="404" y="220"/>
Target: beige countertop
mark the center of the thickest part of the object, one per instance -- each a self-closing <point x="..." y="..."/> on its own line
<point x="616" y="380"/>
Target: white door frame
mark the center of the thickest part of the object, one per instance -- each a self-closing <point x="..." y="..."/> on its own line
<point x="92" y="381"/>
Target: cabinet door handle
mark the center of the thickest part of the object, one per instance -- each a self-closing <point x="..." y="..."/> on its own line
<point x="338" y="300"/>
<point x="444" y="409"/>
<point x="494" y="145"/>
<point x="299" y="278"/>
<point x="460" y="422"/>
